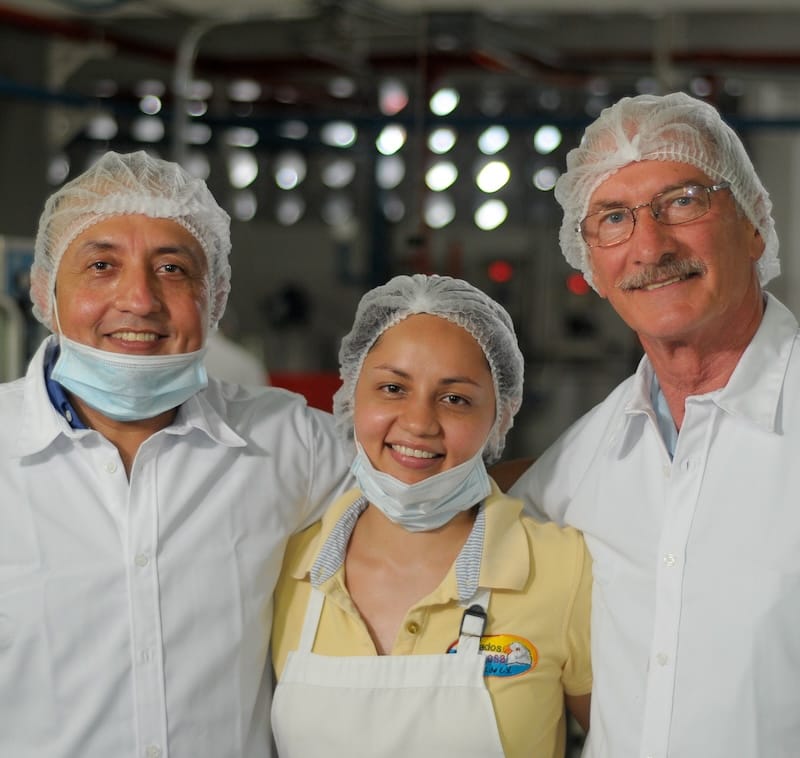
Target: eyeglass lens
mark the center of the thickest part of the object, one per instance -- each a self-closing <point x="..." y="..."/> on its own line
<point x="613" y="226"/>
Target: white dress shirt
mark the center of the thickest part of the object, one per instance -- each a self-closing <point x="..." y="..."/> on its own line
<point x="696" y="600"/>
<point x="135" y="615"/>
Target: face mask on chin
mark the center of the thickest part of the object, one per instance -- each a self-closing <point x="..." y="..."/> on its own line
<point x="128" y="387"/>
<point x="428" y="504"/>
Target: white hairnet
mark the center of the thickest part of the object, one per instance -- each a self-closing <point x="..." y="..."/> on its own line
<point x="452" y="299"/>
<point x="674" y="127"/>
<point x="123" y="184"/>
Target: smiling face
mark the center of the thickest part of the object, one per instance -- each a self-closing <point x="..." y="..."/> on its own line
<point x="134" y="284"/>
<point x="691" y="283"/>
<point x="424" y="401"/>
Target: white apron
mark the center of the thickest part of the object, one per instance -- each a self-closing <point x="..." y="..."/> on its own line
<point x="387" y="706"/>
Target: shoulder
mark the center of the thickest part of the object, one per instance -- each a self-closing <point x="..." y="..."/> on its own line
<point x="11" y="404"/>
<point x="297" y="550"/>
<point x="552" y="542"/>
<point x="250" y="409"/>
<point x="553" y="550"/>
<point x="597" y="420"/>
<point x="582" y="439"/>
<point x="556" y="551"/>
<point x="564" y="463"/>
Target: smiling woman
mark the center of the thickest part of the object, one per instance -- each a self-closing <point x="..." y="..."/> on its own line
<point x="424" y="613"/>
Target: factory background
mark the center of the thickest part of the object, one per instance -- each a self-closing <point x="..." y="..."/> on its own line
<point x="353" y="140"/>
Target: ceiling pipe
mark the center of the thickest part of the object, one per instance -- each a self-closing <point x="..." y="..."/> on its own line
<point x="183" y="75"/>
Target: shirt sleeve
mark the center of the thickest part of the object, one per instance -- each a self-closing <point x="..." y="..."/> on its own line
<point x="329" y="466"/>
<point x="577" y="676"/>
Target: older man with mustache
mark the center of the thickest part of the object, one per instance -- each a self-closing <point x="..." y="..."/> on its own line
<point x="685" y="479"/>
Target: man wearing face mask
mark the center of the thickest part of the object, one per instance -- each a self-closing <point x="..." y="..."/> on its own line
<point x="144" y="507"/>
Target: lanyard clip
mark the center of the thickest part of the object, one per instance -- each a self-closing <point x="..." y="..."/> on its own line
<point x="473" y="622"/>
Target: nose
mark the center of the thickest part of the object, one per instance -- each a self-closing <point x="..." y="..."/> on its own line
<point x="419" y="418"/>
<point x="138" y="291"/>
<point x="651" y="239"/>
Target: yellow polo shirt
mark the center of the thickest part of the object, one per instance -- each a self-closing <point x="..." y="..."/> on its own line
<point x="537" y="631"/>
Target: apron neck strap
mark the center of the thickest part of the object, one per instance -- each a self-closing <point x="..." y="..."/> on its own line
<point x="311" y="621"/>
<point x="473" y="622"/>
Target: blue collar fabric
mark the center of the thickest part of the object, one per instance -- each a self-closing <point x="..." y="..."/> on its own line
<point x="57" y="394"/>
<point x="665" y="421"/>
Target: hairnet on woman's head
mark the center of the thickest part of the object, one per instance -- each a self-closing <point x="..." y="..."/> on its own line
<point x="452" y="299"/>
<point x="124" y="184"/>
<point x="674" y="127"/>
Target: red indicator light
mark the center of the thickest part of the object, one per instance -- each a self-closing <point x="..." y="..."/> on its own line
<point x="500" y="271"/>
<point x="577" y="285"/>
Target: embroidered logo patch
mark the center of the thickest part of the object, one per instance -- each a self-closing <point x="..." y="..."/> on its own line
<point x="506" y="654"/>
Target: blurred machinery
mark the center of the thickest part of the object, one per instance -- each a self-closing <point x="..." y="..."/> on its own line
<point x="20" y="332"/>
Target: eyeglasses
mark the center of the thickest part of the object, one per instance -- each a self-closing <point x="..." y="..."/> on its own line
<point x="613" y="226"/>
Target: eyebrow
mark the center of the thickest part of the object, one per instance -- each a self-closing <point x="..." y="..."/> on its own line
<point x="609" y="204"/>
<point x="100" y="245"/>
<point x="448" y="380"/>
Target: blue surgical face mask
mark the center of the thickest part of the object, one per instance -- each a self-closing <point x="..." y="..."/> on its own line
<point x="128" y="387"/>
<point x="428" y="504"/>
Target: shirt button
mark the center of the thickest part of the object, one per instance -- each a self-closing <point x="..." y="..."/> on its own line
<point x="662" y="659"/>
<point x="142" y="560"/>
<point x="153" y="751"/>
<point x="145" y="655"/>
<point x="669" y="560"/>
<point x="412" y="627"/>
<point x="667" y="470"/>
<point x="110" y="467"/>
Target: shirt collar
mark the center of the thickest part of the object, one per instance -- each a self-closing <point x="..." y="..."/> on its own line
<point x="754" y="390"/>
<point x="43" y="422"/>
<point x="498" y="527"/>
<point x="56" y="393"/>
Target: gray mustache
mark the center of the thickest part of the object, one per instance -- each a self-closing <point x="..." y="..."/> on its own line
<point x="682" y="268"/>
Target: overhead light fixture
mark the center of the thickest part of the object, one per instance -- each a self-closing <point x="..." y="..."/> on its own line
<point x="491" y="214"/>
<point x="493" y="176"/>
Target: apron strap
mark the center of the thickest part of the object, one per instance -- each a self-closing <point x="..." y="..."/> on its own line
<point x="473" y="623"/>
<point x="311" y="621"/>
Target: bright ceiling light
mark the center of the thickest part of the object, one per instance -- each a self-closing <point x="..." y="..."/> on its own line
<point x="392" y="97"/>
<point x="389" y="171"/>
<point x="391" y="139"/>
<point x="546" y="139"/>
<point x="493" y="140"/>
<point x="244" y="90"/>
<point x="545" y="178"/>
<point x="338" y="173"/>
<point x="441" y="175"/>
<point x="490" y="215"/>
<point x="338" y="134"/>
<point x="290" y="209"/>
<point x="245" y="205"/>
<point x="290" y="169"/>
<point x="147" y="129"/>
<point x="444" y="101"/>
<point x="439" y="211"/>
<point x="442" y="140"/>
<point x="493" y="176"/>
<point x="242" y="168"/>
